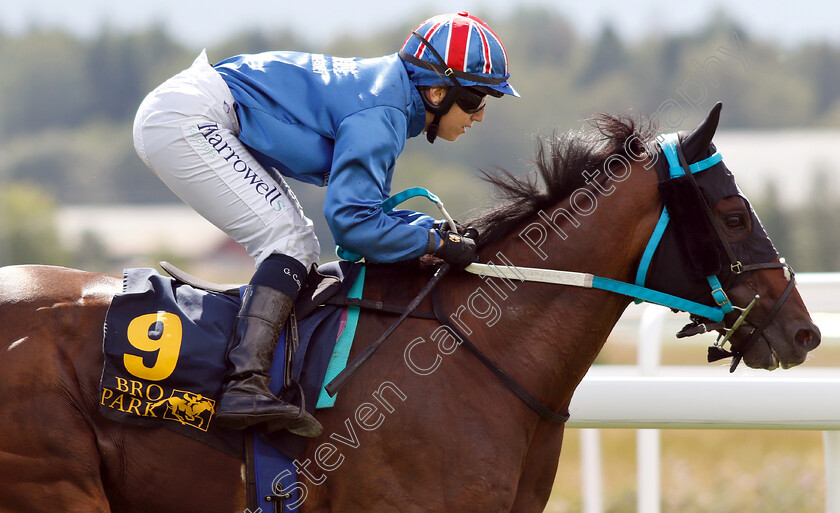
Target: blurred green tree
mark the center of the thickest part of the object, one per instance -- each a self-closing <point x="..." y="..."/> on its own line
<point x="606" y="56"/>
<point x="45" y="85"/>
<point x="28" y="227"/>
<point x="819" y="219"/>
<point x="820" y="65"/>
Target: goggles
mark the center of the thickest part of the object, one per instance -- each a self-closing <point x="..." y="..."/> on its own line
<point x="471" y="100"/>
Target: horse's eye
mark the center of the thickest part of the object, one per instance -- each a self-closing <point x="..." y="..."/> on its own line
<point x="734" y="221"/>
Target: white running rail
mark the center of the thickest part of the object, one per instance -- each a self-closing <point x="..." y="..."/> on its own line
<point x="649" y="397"/>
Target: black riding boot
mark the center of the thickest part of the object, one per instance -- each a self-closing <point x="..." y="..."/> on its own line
<point x="246" y="399"/>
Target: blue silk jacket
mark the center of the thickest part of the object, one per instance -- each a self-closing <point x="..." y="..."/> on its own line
<point x="339" y="123"/>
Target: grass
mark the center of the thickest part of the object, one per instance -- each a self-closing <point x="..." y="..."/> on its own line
<point x="704" y="471"/>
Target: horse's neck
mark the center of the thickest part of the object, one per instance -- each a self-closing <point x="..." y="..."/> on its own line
<point x="605" y="238"/>
<point x="563" y="328"/>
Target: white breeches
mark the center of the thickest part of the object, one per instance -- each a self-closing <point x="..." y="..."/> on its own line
<point x="186" y="132"/>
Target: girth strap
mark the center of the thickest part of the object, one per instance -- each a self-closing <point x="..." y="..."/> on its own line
<point x="531" y="401"/>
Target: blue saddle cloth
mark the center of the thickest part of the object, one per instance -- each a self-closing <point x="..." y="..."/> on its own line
<point x="164" y="348"/>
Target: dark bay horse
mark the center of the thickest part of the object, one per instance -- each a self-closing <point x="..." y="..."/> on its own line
<point x="423" y="426"/>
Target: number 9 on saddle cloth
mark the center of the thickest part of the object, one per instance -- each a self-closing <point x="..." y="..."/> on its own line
<point x="165" y="344"/>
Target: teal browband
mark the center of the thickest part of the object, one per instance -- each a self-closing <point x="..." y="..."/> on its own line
<point x="668" y="143"/>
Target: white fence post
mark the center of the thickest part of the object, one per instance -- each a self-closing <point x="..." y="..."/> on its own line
<point x="831" y="448"/>
<point x="649" y="487"/>
<point x="647" y="440"/>
<point x="591" y="471"/>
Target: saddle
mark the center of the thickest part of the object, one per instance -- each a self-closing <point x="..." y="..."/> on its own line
<point x="317" y="289"/>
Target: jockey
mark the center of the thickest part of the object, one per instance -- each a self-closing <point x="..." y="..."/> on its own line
<point x="225" y="137"/>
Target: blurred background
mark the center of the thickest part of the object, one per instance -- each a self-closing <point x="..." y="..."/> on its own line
<point x="73" y="192"/>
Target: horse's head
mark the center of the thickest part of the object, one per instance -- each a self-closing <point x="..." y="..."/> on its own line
<point x="714" y="239"/>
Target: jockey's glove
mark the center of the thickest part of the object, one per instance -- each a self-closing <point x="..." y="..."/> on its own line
<point x="458" y="250"/>
<point x="442" y="225"/>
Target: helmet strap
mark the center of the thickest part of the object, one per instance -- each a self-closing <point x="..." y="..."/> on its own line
<point x="438" y="110"/>
<point x="431" y="132"/>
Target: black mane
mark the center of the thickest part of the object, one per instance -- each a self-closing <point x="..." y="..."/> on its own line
<point x="560" y="163"/>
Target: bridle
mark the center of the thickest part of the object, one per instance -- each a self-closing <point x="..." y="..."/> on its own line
<point x="704" y="318"/>
<point x="678" y="166"/>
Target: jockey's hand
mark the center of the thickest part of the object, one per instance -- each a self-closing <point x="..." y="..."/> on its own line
<point x="456" y="249"/>
<point x="442" y="225"/>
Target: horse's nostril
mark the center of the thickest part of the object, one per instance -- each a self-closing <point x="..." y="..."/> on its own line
<point x="808" y="339"/>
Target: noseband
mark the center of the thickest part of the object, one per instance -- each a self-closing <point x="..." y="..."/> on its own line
<point x="717" y="352"/>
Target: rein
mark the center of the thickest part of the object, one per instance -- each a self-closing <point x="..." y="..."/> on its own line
<point x="671" y="147"/>
<point x="700" y="313"/>
<point x="516" y="388"/>
<point x="589" y="281"/>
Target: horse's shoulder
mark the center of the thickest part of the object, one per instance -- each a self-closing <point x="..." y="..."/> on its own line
<point x="43" y="283"/>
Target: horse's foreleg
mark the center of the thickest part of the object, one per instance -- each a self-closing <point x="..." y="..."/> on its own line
<point x="539" y="469"/>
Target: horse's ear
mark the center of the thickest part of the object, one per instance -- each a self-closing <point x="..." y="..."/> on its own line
<point x="697" y="142"/>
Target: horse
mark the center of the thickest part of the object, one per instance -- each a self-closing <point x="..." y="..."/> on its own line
<point x="423" y="426"/>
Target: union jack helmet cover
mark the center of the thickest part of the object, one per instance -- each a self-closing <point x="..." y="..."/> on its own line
<point x="472" y="52"/>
